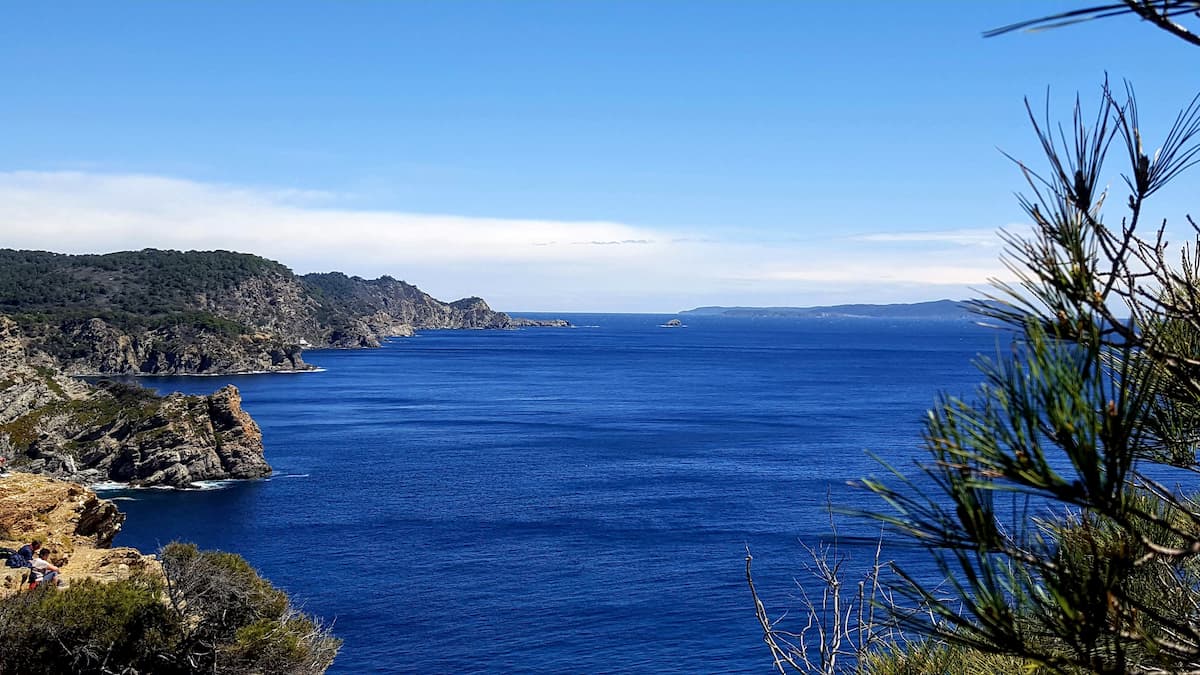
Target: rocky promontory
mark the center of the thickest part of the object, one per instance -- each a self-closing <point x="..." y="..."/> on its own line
<point x="63" y="427"/>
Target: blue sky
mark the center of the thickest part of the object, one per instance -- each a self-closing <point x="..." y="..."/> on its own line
<point x="570" y="155"/>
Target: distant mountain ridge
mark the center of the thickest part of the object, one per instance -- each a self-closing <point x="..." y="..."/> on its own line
<point x="933" y="310"/>
<point x="175" y="312"/>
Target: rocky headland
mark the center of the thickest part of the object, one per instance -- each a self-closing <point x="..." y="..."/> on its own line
<point x="155" y="312"/>
<point x="64" y="427"/>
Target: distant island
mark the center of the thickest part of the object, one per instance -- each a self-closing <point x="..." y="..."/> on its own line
<point x="940" y="310"/>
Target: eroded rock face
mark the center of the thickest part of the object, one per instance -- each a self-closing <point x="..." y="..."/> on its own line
<point x="59" y="426"/>
<point x="63" y="515"/>
<point x="179" y="440"/>
<point x="273" y="304"/>
<point x="174" y="350"/>
<point x="28" y="379"/>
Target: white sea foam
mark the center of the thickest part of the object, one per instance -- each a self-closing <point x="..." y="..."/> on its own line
<point x="113" y="486"/>
<point x="211" y="484"/>
<point x="240" y="372"/>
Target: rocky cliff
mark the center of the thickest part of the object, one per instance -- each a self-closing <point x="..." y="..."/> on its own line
<point x="172" y="312"/>
<point x="56" y="425"/>
<point x="100" y="348"/>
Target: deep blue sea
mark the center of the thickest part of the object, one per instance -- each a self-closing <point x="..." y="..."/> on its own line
<point x="566" y="500"/>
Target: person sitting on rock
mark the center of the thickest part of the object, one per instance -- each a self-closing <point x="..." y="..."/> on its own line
<point x="43" y="571"/>
<point x="24" y="555"/>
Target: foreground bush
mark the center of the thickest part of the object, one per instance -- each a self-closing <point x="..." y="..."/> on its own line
<point x="212" y="613"/>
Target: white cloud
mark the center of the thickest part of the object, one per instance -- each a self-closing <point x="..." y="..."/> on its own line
<point x="522" y="264"/>
<point x="967" y="237"/>
<point x="901" y="273"/>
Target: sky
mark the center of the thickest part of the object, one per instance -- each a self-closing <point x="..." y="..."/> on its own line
<point x="575" y="155"/>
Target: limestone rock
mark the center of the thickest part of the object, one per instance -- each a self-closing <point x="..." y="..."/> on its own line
<point x="70" y="520"/>
<point x="63" y="514"/>
<point x="59" y="426"/>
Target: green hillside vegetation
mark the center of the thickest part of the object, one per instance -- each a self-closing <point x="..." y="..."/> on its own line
<point x="184" y="296"/>
<point x="149" y="289"/>
<point x="342" y="297"/>
<point x="143" y="283"/>
<point x="114" y="404"/>
<point x="211" y="613"/>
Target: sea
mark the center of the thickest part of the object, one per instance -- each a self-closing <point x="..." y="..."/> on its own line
<point x="581" y="500"/>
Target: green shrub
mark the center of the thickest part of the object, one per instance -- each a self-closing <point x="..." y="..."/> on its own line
<point x="85" y="626"/>
<point x="211" y="613"/>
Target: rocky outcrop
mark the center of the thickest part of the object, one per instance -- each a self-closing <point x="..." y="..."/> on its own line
<point x="59" y="426"/>
<point x="29" y="381"/>
<point x="521" y="322"/>
<point x="368" y="333"/>
<point x="56" y="511"/>
<point x="77" y="526"/>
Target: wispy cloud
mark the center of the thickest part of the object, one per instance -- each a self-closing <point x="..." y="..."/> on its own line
<point x="515" y="263"/>
<point x="973" y="237"/>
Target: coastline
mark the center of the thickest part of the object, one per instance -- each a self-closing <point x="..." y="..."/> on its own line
<point x="290" y="371"/>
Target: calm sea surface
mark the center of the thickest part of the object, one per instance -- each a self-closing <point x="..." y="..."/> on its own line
<point x="566" y="501"/>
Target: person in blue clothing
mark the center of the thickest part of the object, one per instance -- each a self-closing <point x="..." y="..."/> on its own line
<point x="27" y="552"/>
<point x="23" y="557"/>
